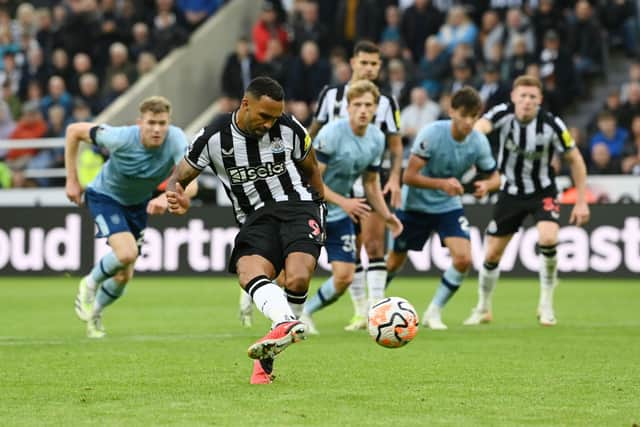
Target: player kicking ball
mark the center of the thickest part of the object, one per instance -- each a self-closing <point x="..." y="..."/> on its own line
<point x="441" y="154"/>
<point x="347" y="149"/>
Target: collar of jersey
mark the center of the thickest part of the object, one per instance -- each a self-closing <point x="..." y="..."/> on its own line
<point x="235" y="126"/>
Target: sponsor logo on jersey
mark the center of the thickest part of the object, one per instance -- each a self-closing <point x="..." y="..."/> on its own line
<point x="242" y="174"/>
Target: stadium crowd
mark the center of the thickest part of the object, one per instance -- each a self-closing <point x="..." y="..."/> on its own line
<point x="431" y="48"/>
<point x="66" y="61"/>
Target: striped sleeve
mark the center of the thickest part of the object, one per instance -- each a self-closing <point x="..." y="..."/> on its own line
<point x="198" y="153"/>
<point x="392" y="117"/>
<point x="322" y="114"/>
<point x="301" y="140"/>
<point x="562" y="139"/>
<point x="499" y="114"/>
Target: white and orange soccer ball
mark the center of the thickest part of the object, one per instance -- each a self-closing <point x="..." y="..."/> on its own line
<point x="393" y="322"/>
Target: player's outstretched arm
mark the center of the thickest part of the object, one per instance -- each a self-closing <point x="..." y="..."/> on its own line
<point x="580" y="213"/>
<point x="75" y="133"/>
<point x="182" y="178"/>
<point x="371" y="183"/>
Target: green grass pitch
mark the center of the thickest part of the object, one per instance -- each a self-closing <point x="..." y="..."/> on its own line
<point x="176" y="355"/>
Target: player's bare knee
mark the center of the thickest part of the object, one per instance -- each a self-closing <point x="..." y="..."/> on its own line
<point x="127" y="256"/>
<point x="462" y="262"/>
<point x="547" y="241"/>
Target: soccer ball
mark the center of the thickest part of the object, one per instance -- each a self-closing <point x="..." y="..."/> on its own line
<point x="393" y="322"/>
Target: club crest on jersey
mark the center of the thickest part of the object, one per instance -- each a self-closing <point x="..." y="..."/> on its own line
<point x="276" y="145"/>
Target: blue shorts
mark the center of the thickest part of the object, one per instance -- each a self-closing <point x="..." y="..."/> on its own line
<point x="112" y="217"/>
<point x="341" y="241"/>
<point x="418" y="227"/>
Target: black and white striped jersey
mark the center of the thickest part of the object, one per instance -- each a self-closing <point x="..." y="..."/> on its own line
<point x="332" y="104"/>
<point x="254" y="171"/>
<point x="526" y="149"/>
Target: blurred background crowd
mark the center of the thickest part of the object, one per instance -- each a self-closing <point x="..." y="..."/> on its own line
<point x="65" y="61"/>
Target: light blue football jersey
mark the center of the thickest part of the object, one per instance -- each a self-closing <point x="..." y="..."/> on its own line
<point x="133" y="172"/>
<point x="446" y="158"/>
<point x="347" y="156"/>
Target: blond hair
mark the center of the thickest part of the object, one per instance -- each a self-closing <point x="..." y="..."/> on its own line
<point x="527" y="80"/>
<point x="361" y="87"/>
<point x="156" y="105"/>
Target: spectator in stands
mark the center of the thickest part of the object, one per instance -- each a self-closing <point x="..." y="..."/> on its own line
<point x="458" y="29"/>
<point x="197" y="11"/>
<point x="585" y="41"/>
<point x="567" y="80"/>
<point x="445" y="104"/>
<point x="119" y="63"/>
<point x="45" y="33"/>
<point x="609" y="134"/>
<point x="47" y="158"/>
<point x="309" y="27"/>
<point x="267" y="28"/>
<point x="141" y="40"/>
<point x="492" y="90"/>
<point x="240" y="68"/>
<point x="634" y="77"/>
<point x="391" y="31"/>
<point x="308" y="75"/>
<point x="611" y="104"/>
<point x="357" y="20"/>
<point x="341" y="73"/>
<point x="12" y="100"/>
<point x="34" y="68"/>
<point x="517" y="26"/>
<point x="146" y="63"/>
<point x="602" y="163"/>
<point x="168" y="30"/>
<point x="81" y="111"/>
<point x="81" y="65"/>
<point x="80" y="27"/>
<point x="10" y="72"/>
<point x="462" y="75"/>
<point x="277" y="62"/>
<point x="492" y="33"/>
<point x="113" y="29"/>
<point x="90" y="93"/>
<point x="420" y="112"/>
<point x="552" y="95"/>
<point x="57" y="95"/>
<point x="25" y="24"/>
<point x="31" y="125"/>
<point x="118" y="85"/>
<point x="547" y="17"/>
<point x="7" y="124"/>
<point x="60" y="65"/>
<point x="434" y="67"/>
<point x="620" y="20"/>
<point x="398" y="83"/>
<point x="631" y="151"/>
<point x="419" y="21"/>
<point x="630" y="108"/>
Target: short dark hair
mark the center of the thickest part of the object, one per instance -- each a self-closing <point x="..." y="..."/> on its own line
<point x="468" y="99"/>
<point x="365" y="46"/>
<point x="265" y="86"/>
